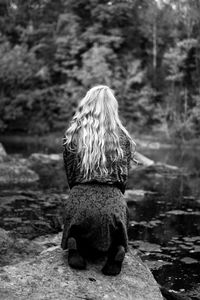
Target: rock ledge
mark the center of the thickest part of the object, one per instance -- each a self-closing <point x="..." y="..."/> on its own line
<point x="48" y="277"/>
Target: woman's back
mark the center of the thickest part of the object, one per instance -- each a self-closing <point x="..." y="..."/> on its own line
<point x="97" y="147"/>
<point x="117" y="170"/>
<point x="97" y="153"/>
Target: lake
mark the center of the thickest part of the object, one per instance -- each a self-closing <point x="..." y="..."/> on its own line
<point x="165" y="220"/>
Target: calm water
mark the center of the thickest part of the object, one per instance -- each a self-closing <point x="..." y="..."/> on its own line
<point x="165" y="222"/>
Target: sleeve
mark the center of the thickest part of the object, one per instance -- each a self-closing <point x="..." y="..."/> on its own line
<point x="69" y="159"/>
<point x="128" y="152"/>
<point x="132" y="155"/>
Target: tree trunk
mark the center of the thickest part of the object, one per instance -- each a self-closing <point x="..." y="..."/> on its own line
<point x="154" y="45"/>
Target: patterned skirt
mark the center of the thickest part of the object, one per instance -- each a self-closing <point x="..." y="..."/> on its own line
<point x="97" y="216"/>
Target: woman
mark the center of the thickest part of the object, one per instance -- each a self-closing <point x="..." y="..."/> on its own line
<point x="97" y="154"/>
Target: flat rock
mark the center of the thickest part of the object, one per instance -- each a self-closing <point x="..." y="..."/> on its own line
<point x="3" y="153"/>
<point x="45" y="158"/>
<point x="143" y="160"/>
<point x="157" y="264"/>
<point x="14" y="250"/>
<point x="146" y="246"/>
<point x="5" y="240"/>
<point x="48" y="277"/>
<point x="156" y="177"/>
<point x="15" y="173"/>
<point x="46" y="166"/>
<point x="189" y="260"/>
<point x="137" y="195"/>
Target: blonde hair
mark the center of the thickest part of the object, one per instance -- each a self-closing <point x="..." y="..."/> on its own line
<point x="94" y="131"/>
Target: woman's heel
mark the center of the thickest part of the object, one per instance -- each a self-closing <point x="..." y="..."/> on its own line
<point x="75" y="260"/>
<point x="114" y="263"/>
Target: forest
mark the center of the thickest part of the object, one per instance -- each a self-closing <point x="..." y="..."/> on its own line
<point x="147" y="51"/>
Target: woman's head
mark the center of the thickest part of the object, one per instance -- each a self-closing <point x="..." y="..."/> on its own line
<point x="95" y="130"/>
<point x="100" y="103"/>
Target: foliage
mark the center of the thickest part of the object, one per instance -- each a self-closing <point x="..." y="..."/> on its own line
<point x="18" y="66"/>
<point x="52" y="51"/>
<point x="181" y="103"/>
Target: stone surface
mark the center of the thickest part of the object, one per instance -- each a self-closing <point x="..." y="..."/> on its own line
<point x="3" y="153"/>
<point x="136" y="195"/>
<point x="189" y="260"/>
<point x="48" y="277"/>
<point x="45" y="158"/>
<point x="146" y="246"/>
<point x="145" y="161"/>
<point x="158" y="177"/>
<point x="5" y="240"/>
<point x="12" y="172"/>
<point x="50" y="169"/>
<point x="37" y="168"/>
<point x="14" y="250"/>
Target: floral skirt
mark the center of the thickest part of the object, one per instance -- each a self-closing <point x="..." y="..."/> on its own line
<point x="97" y="216"/>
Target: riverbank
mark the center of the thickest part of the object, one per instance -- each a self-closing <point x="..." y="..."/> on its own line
<point x="164" y="211"/>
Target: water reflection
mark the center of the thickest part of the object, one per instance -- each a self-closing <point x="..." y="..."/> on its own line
<point x="165" y="224"/>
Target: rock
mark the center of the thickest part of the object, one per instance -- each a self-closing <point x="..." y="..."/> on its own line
<point x="191" y="239"/>
<point x="157" y="264"/>
<point x="12" y="172"/>
<point x="48" y="276"/>
<point x="189" y="260"/>
<point x="3" y="153"/>
<point x="194" y="293"/>
<point x="137" y="196"/>
<point x="48" y="240"/>
<point x="196" y="249"/>
<point x="146" y="246"/>
<point x="145" y="161"/>
<point x="5" y="240"/>
<point x="185" y="247"/>
<point x="158" y="177"/>
<point x="47" y="165"/>
<point x="178" y="212"/>
<point x="16" y="170"/>
<point x="148" y="144"/>
<point x="14" y="250"/>
<point x="45" y="158"/>
<point x="134" y="195"/>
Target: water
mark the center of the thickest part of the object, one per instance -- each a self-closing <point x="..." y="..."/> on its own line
<point x="165" y="221"/>
<point x="165" y="224"/>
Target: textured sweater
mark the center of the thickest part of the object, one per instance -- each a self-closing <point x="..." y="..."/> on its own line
<point x="118" y="170"/>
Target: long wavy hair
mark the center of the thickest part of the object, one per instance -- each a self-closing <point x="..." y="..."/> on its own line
<point x="94" y="131"/>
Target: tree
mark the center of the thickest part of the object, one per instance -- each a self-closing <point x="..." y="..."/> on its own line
<point x="52" y="51"/>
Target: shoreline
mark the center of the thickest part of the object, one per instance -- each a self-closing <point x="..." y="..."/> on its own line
<point x="53" y="141"/>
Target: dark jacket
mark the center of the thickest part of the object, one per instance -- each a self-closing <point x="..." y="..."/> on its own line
<point x="117" y="175"/>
